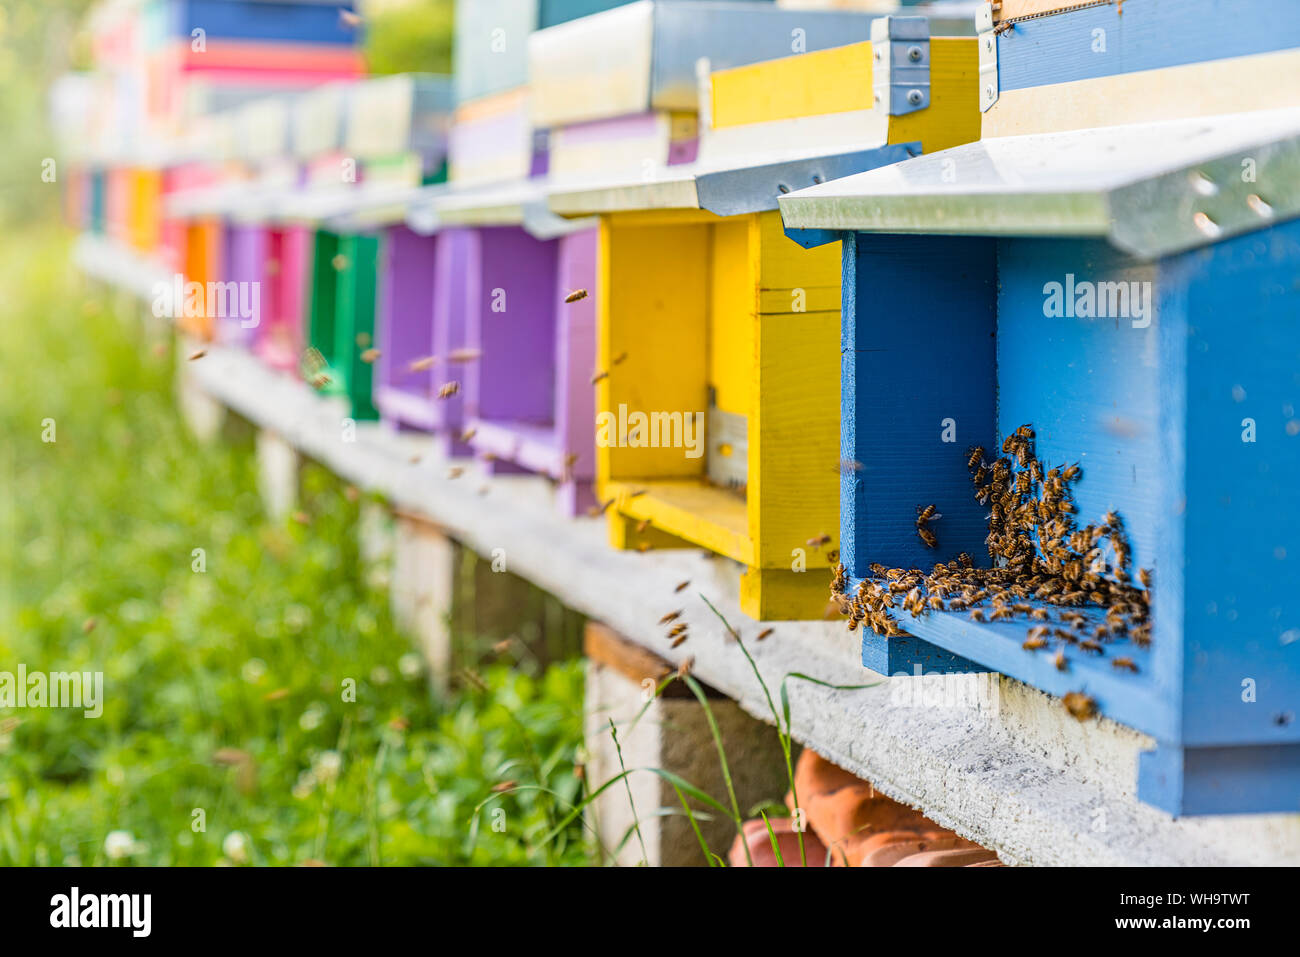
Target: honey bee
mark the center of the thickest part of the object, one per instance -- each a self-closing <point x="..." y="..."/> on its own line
<point x="678" y="640"/>
<point x="924" y="514"/>
<point x="1144" y="576"/>
<point x="1060" y="660"/>
<point x="1125" y="664"/>
<point x="575" y="296"/>
<point x="976" y="457"/>
<point x="931" y="540"/>
<point x="596" y="377"/>
<point x="197" y="354"/>
<point x="1034" y="644"/>
<point x="685" y="667"/>
<point x="764" y="634"/>
<point x="671" y="616"/>
<point x="1072" y="473"/>
<point x="369" y="356"/>
<point x="422" y="364"/>
<point x="848" y="466"/>
<point x="977" y="614"/>
<point x="604" y="506"/>
<point x="618" y="359"/>
<point x="464" y="355"/>
<point x="642" y="525"/>
<point x="339" y="262"/>
<point x="1080" y="705"/>
<point x="363" y="340"/>
<point x="455" y="472"/>
<point x="818" y="541"/>
<point x="1091" y="647"/>
<point x="468" y="434"/>
<point x="682" y="586"/>
<point x="643" y="547"/>
<point x="448" y="390"/>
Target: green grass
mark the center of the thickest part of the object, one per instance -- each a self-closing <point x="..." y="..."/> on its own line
<point x="224" y="688"/>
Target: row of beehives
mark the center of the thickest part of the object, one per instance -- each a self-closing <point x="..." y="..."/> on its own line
<point x="619" y="305"/>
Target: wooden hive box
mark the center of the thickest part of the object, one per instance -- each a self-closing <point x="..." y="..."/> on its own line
<point x="396" y="134"/>
<point x="718" y="408"/>
<point x="491" y="147"/>
<point x="504" y="265"/>
<point x="491" y="40"/>
<point x="1113" y="265"/>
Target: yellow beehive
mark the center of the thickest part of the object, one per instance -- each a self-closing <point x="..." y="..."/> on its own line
<point x="725" y="320"/>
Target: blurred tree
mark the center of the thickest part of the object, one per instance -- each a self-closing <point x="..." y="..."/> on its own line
<point x="405" y="36"/>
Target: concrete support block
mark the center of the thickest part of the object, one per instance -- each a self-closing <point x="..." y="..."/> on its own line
<point x="376" y="542"/>
<point x="278" y="469"/>
<point x="673" y="734"/>
<point x="423" y="591"/>
<point x="204" y="415"/>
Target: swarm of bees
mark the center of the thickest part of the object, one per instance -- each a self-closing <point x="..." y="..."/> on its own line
<point x="1046" y="568"/>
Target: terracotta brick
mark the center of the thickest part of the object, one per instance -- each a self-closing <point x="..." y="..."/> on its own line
<point x="961" y="857"/>
<point x="760" y="845"/>
<point x="891" y="854"/>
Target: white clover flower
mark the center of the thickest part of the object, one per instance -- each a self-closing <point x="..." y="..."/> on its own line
<point x="311" y="718"/>
<point x="327" y="765"/>
<point x="297" y="617"/>
<point x="235" y="847"/>
<point x="254" y="670"/>
<point x="305" y="784"/>
<point x="380" y="675"/>
<point x="119" y="844"/>
<point x="410" y="665"/>
<point x="115" y="774"/>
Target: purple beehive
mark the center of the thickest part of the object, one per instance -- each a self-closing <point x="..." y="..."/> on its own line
<point x="529" y="399"/>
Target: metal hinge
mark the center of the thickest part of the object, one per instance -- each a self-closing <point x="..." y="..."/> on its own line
<point x="988" y="54"/>
<point x="900" y="64"/>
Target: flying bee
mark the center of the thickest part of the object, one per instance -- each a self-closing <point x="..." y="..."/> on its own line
<point x="370" y="356"/>
<point x="764" y="634"/>
<point x="448" y="390"/>
<point x="312" y="363"/>
<point x="618" y="359"/>
<point x="931" y="540"/>
<point x="422" y="364"/>
<point x="818" y="541"/>
<point x="1072" y="473"/>
<point x="1124" y="664"/>
<point x="1091" y="647"/>
<point x="925" y="514"/>
<point x="1144" y="576"/>
<point x="576" y="296"/>
<point x="464" y="355"/>
<point x="197" y="354"/>
<point x="1080" y="706"/>
<point x="678" y="640"/>
<point x="1034" y="644"/>
<point x="1060" y="660"/>
<point x="597" y="376"/>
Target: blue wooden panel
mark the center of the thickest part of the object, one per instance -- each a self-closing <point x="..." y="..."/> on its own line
<point x="1146" y="35"/>
<point x="918" y="354"/>
<point x="285" y="21"/>
<point x="1242" y="780"/>
<point x="904" y="654"/>
<point x="1087" y="384"/>
<point x="1241" y="525"/>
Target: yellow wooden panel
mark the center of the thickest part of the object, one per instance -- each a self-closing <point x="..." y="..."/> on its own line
<point x="807" y="84"/>
<point x="794" y="439"/>
<point x="784" y="266"/>
<point x="731" y="316"/>
<point x="652" y="305"/>
<point x="145" y="188"/>
<point x="953" y="116"/>
<point x="711" y="517"/>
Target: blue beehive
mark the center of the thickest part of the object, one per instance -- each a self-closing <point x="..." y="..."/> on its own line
<point x="1124" y="277"/>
